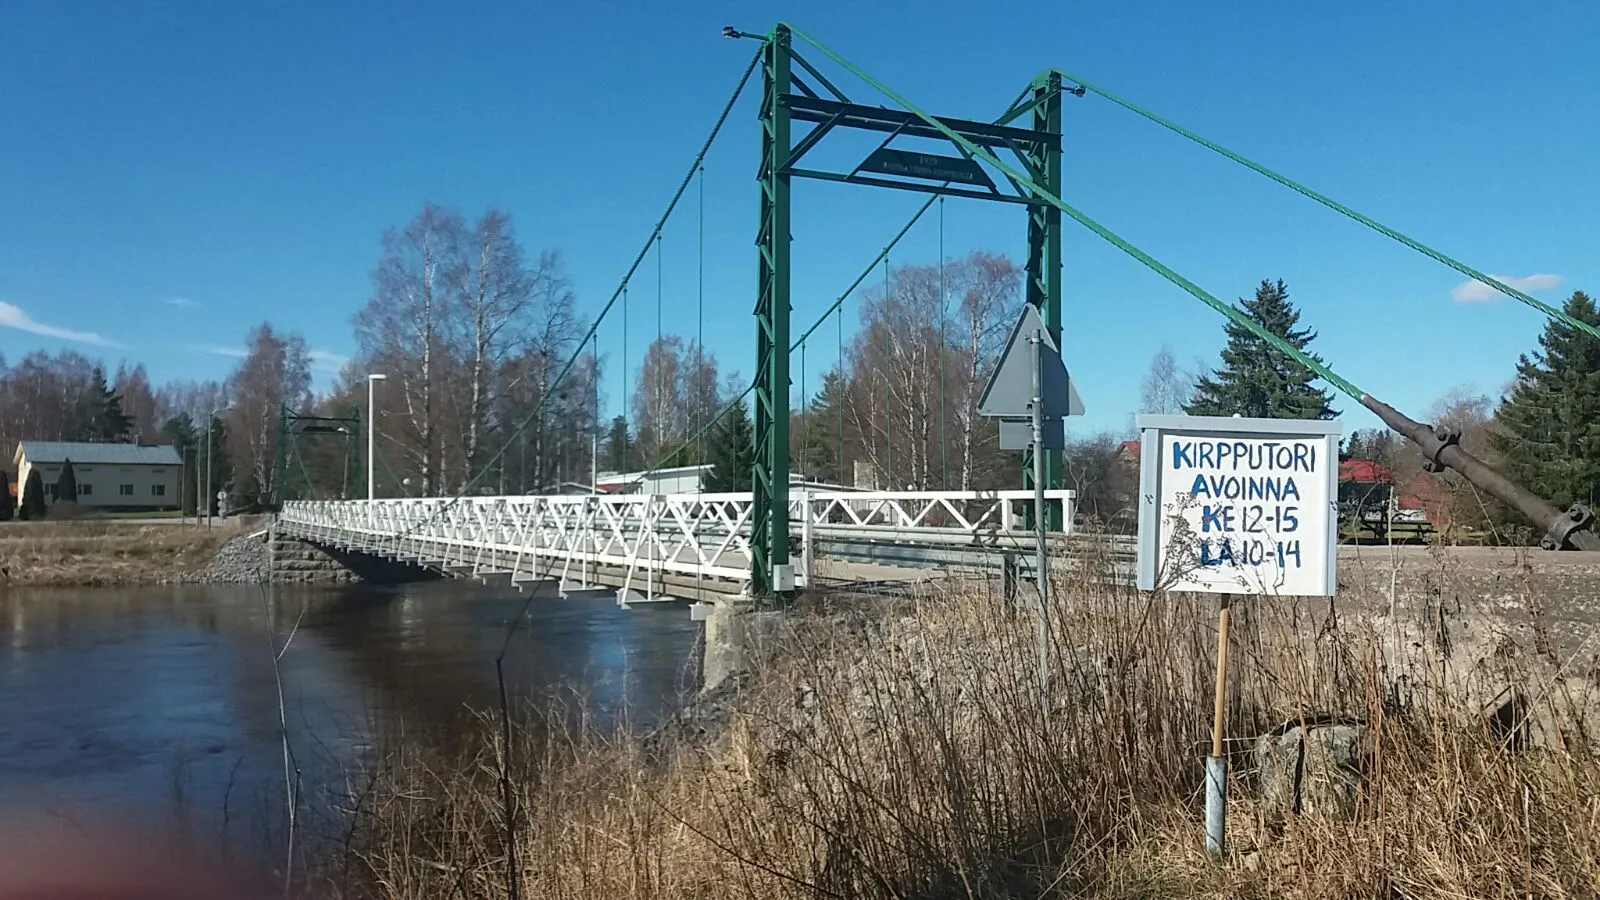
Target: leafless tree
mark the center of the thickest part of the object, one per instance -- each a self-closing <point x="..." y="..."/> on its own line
<point x="275" y="373"/>
<point x="194" y="400"/>
<point x="990" y="304"/>
<point x="132" y="385"/>
<point x="401" y="327"/>
<point x="913" y="388"/>
<point x="42" y="399"/>
<point x="1166" y="389"/>
<point x="488" y="320"/>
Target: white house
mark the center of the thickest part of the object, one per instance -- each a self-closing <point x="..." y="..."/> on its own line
<point x="683" y="480"/>
<point x="680" y="480"/>
<point x="109" y="476"/>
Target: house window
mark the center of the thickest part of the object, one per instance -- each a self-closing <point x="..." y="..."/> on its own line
<point x="85" y="490"/>
<point x="86" y="470"/>
<point x="159" y="490"/>
<point x="54" y="490"/>
<point x="125" y="490"/>
<point x="158" y="471"/>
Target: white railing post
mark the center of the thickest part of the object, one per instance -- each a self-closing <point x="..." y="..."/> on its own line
<point x="805" y="538"/>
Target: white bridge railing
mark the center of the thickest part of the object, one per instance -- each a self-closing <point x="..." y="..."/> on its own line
<point x="649" y="539"/>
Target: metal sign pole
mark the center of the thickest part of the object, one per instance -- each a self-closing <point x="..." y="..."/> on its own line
<point x="1041" y="563"/>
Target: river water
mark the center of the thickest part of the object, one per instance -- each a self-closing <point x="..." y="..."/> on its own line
<point x="162" y="704"/>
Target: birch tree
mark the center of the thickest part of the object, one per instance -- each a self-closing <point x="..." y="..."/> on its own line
<point x="275" y="373"/>
<point x="400" y="330"/>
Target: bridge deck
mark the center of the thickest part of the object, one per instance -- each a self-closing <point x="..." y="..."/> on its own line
<point x="678" y="545"/>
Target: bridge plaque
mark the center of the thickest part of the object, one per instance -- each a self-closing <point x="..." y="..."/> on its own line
<point x="928" y="166"/>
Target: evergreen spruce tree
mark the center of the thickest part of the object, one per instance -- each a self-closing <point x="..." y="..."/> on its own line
<point x="1257" y="380"/>
<point x="1550" y="424"/>
<point x="732" y="453"/>
<point x="620" y="451"/>
<point x="180" y="431"/>
<point x="820" y="450"/>
<point x="67" y="484"/>
<point x="32" y="498"/>
<point x="99" y="412"/>
<point x="8" y="502"/>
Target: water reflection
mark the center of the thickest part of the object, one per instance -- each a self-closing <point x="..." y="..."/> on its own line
<point x="124" y="701"/>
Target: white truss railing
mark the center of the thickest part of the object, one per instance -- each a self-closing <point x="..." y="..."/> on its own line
<point x="648" y="538"/>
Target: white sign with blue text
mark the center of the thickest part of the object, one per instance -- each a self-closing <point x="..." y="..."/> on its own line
<point x="1238" y="506"/>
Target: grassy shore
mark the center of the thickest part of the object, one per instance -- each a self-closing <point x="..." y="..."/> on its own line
<point x="918" y="755"/>
<point x="101" y="552"/>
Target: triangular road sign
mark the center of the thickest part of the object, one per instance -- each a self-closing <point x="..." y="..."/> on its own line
<point x="1009" y="394"/>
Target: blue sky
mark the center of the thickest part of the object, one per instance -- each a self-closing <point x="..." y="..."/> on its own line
<point x="172" y="173"/>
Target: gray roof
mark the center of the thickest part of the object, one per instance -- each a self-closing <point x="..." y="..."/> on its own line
<point x="100" y="454"/>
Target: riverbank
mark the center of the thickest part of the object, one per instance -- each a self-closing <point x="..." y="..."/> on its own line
<point x="108" y="553"/>
<point x="917" y="753"/>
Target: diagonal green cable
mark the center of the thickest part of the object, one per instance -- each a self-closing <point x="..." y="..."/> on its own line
<point x="1235" y="315"/>
<point x="1335" y="205"/>
<point x="835" y="307"/>
<point x="683" y="185"/>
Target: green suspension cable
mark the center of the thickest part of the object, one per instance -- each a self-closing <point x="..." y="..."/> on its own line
<point x="805" y="421"/>
<point x="838" y="398"/>
<point x="944" y="448"/>
<point x="888" y="418"/>
<point x="700" y="313"/>
<point x="1235" y="315"/>
<point x="1336" y="206"/>
<point x="661" y="437"/>
<point x="836" y="307"/>
<point x="626" y="419"/>
<point x="594" y="388"/>
<point x="683" y="185"/>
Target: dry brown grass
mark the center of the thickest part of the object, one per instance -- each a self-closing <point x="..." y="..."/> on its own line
<point x="97" y="553"/>
<point x="910" y="756"/>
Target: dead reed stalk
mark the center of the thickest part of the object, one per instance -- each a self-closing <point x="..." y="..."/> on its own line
<point x="907" y="754"/>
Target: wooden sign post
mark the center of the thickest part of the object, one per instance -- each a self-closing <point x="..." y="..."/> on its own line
<point x="1235" y="506"/>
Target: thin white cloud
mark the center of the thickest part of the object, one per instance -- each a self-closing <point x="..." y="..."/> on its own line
<point x="222" y="350"/>
<point x="321" y="360"/>
<point x="328" y="361"/>
<point x="14" y="317"/>
<point x="183" y="302"/>
<point x="1478" y="292"/>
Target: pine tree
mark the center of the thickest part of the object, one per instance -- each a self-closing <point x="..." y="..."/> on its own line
<point x="8" y="502"/>
<point x="732" y="453"/>
<point x="1257" y="380"/>
<point x="67" y="484"/>
<point x="32" y="498"/>
<point x="1550" y="424"/>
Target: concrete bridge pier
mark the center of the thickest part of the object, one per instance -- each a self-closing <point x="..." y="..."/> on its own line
<point x="734" y="633"/>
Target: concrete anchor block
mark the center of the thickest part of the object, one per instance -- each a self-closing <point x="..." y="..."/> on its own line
<point x="734" y="632"/>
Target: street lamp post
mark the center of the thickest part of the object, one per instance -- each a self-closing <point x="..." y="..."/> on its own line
<point x="372" y="433"/>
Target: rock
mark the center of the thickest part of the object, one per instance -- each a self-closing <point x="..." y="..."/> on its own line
<point x="1311" y="768"/>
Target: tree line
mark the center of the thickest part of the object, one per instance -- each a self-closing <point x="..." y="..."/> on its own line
<point x="473" y="335"/>
<point x="1543" y="431"/>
